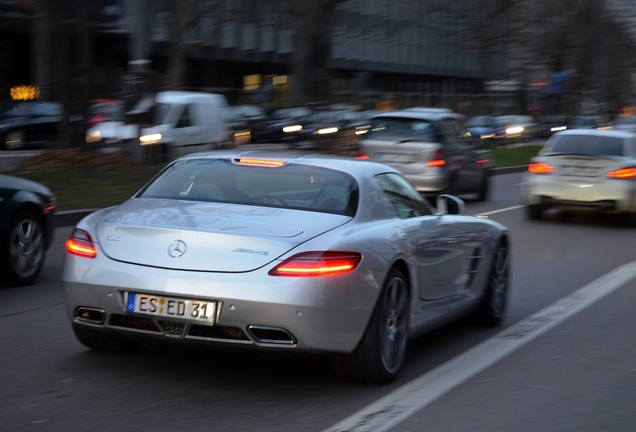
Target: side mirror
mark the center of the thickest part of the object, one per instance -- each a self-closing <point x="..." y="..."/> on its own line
<point x="449" y="204"/>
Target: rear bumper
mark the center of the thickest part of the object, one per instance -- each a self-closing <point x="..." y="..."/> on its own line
<point x="254" y="310"/>
<point x="617" y="196"/>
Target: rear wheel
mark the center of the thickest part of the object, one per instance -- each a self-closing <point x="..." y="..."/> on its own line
<point x="484" y="192"/>
<point x="381" y="353"/>
<point x="493" y="304"/>
<point x="22" y="256"/>
<point x="534" y="211"/>
<point x="99" y="341"/>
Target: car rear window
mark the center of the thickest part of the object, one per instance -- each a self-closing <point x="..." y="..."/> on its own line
<point x="593" y="145"/>
<point x="396" y="128"/>
<point x="289" y="186"/>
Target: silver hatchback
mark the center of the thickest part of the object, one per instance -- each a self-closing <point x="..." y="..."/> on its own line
<point x="583" y="169"/>
<point x="433" y="149"/>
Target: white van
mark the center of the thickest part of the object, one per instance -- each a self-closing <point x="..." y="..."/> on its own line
<point x="188" y="122"/>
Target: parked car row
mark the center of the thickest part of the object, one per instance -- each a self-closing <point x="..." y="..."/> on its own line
<point x="503" y="129"/>
<point x="30" y="123"/>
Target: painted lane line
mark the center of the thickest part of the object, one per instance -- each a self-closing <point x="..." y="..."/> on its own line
<point x="500" y="210"/>
<point x="397" y="406"/>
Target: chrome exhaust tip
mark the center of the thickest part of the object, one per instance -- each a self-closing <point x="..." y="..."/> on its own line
<point x="90" y="315"/>
<point x="271" y="335"/>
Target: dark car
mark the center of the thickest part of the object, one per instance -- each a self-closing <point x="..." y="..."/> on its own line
<point x="249" y="123"/>
<point x="334" y="130"/>
<point x="516" y="128"/>
<point x="551" y="124"/>
<point x="482" y="127"/>
<point x="27" y="212"/>
<point x="33" y="123"/>
<point x="588" y="122"/>
<point x="284" y="125"/>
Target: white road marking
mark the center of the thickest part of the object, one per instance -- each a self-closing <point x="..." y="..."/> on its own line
<point x="389" y="411"/>
<point x="500" y="210"/>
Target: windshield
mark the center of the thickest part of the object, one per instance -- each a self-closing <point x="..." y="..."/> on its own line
<point x="587" y="145"/>
<point x="397" y="128"/>
<point x="164" y="112"/>
<point x="289" y="186"/>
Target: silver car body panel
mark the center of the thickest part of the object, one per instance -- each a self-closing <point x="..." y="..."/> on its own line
<point x="446" y="257"/>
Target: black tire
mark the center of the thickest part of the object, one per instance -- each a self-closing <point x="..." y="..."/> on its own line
<point x="493" y="305"/>
<point x="381" y="353"/>
<point x="535" y="211"/>
<point x="99" y="341"/>
<point x="484" y="192"/>
<point x="629" y="220"/>
<point x="23" y="249"/>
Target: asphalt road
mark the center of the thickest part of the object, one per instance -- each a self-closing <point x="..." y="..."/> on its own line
<point x="563" y="360"/>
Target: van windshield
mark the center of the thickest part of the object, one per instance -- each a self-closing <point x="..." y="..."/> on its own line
<point x="165" y="113"/>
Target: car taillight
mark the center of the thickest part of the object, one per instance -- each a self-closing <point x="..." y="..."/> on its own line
<point x="623" y="173"/>
<point x="81" y="244"/>
<point x="540" y="168"/>
<point x="437" y="160"/>
<point x="317" y="264"/>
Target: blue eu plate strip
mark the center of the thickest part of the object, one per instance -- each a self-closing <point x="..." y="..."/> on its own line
<point x="130" y="307"/>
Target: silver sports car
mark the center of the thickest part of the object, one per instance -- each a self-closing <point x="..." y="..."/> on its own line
<point x="287" y="252"/>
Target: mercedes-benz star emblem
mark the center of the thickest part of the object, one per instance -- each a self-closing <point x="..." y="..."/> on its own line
<point x="177" y="248"/>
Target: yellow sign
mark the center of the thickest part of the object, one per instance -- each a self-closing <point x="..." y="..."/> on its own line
<point x="25" y="92"/>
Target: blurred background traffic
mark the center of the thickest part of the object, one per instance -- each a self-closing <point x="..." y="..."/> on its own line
<point x="85" y="73"/>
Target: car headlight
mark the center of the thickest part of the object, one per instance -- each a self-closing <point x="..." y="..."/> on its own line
<point x="150" y="139"/>
<point x="327" y="131"/>
<point x="514" y="130"/>
<point x="292" y="128"/>
<point x="93" y="137"/>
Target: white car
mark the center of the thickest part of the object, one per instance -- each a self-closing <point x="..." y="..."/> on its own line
<point x="583" y="169"/>
<point x="286" y="253"/>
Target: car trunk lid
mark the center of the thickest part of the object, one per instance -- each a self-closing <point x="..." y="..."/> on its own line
<point x="206" y="236"/>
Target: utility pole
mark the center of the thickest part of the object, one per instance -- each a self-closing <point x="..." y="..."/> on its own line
<point x="138" y="87"/>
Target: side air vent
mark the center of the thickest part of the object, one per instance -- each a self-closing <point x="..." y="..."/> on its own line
<point x="473" y="267"/>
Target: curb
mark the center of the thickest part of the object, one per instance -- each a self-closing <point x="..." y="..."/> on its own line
<point x="72" y="217"/>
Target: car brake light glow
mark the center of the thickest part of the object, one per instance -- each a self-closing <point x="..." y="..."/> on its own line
<point x="81" y="244"/>
<point x="623" y="173"/>
<point x="363" y="157"/>
<point x="436" y="163"/>
<point x="437" y="160"/>
<point x="260" y="162"/>
<point x="317" y="264"/>
<point x="540" y="168"/>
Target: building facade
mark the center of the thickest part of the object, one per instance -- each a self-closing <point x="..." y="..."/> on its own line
<point x="409" y="52"/>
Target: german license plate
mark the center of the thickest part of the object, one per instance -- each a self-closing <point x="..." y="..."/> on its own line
<point x="579" y="171"/>
<point x="198" y="310"/>
<point x="396" y="157"/>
